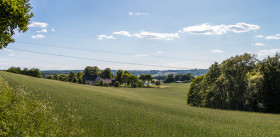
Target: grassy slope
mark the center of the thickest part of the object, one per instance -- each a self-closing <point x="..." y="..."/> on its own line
<point x="145" y="112"/>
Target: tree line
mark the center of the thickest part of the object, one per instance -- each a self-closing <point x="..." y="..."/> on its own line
<point x="239" y="83"/>
<point x="122" y="78"/>
<point x="29" y="72"/>
<point x="179" y="77"/>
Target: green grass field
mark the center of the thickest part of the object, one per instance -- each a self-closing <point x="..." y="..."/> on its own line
<point x="108" y="111"/>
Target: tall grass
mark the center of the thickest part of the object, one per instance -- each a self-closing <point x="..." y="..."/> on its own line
<point x="21" y="115"/>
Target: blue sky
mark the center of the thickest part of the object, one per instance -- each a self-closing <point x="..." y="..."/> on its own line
<point x="170" y="33"/>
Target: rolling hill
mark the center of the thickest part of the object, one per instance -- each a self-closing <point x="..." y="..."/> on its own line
<point x="109" y="111"/>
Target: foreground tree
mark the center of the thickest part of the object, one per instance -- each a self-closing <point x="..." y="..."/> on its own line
<point x="14" y="14"/>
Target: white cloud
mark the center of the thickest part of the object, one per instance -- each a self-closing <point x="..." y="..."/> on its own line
<point x="217" y="51"/>
<point x="242" y="27"/>
<point x="138" y="13"/>
<point x="259" y="36"/>
<point x="38" y="36"/>
<point x="148" y="35"/>
<point x="268" y="52"/>
<point x="101" y="37"/>
<point x="123" y="33"/>
<point x="43" y="30"/>
<point x="141" y="55"/>
<point x="206" y="29"/>
<point x="152" y="35"/>
<point x="38" y="24"/>
<point x="53" y="30"/>
<point x="273" y="37"/>
<point x="258" y="44"/>
<point x="159" y="52"/>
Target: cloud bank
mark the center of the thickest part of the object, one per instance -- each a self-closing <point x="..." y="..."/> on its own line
<point x="206" y="29"/>
<point x="148" y="35"/>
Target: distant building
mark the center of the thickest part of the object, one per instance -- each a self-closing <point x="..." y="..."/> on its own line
<point x="93" y="79"/>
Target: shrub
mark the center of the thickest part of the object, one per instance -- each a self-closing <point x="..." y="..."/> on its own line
<point x="117" y="84"/>
<point x="141" y="84"/>
<point x="134" y="85"/>
<point x="106" y="85"/>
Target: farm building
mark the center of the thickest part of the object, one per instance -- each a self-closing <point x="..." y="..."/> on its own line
<point x="93" y="79"/>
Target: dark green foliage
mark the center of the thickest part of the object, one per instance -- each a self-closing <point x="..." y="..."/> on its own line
<point x="157" y="83"/>
<point x="117" y="84"/>
<point x="169" y="79"/>
<point x="106" y="74"/>
<point x="55" y="76"/>
<point x="187" y="77"/>
<point x="142" y="77"/>
<point x="32" y="72"/>
<point x="239" y="83"/>
<point x="270" y="90"/>
<point x="63" y="77"/>
<point x="106" y="85"/>
<point x="119" y="76"/>
<point x="92" y="70"/>
<point x="72" y="77"/>
<point x="15" y="70"/>
<point x="183" y="78"/>
<point x="80" y="81"/>
<point x="99" y="83"/>
<point x="14" y="14"/>
<point x="140" y="84"/>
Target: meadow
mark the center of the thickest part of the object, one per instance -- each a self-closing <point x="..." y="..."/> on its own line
<point x="109" y="111"/>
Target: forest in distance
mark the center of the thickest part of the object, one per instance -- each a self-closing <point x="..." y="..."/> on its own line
<point x="162" y="73"/>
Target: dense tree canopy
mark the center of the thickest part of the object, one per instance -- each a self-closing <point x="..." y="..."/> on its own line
<point x="92" y="70"/>
<point x="14" y="14"/>
<point x="239" y="83"/>
<point x="32" y="72"/>
<point x="107" y="73"/>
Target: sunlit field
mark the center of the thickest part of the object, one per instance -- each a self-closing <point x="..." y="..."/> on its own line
<point x="109" y="111"/>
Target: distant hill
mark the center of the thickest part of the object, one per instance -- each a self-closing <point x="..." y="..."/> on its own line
<point x="194" y="72"/>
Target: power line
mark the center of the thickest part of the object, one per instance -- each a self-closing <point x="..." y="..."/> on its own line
<point x="100" y="60"/>
<point x="103" y="51"/>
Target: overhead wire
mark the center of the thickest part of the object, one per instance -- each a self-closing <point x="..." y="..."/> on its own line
<point x="99" y="60"/>
<point x="104" y="51"/>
